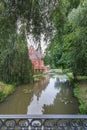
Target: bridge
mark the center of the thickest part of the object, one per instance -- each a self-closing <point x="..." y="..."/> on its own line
<point x="43" y="122"/>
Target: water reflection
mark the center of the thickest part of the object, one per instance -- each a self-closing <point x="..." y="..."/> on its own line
<point x="65" y="102"/>
<point x="52" y="95"/>
<point x="62" y="78"/>
<point x="45" y="97"/>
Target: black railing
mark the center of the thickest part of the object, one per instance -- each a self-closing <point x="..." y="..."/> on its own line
<point x="43" y="122"/>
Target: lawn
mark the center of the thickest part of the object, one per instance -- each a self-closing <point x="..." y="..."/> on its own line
<point x="5" y="90"/>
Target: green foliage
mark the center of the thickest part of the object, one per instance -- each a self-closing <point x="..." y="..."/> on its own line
<point x="34" y="14"/>
<point x="34" y="18"/>
<point x="5" y="90"/>
<point x="27" y="91"/>
<point x="38" y="76"/>
<point x="2" y="96"/>
<point x="77" y="17"/>
<point x="82" y="107"/>
<point x="54" y="53"/>
<point x="73" y="4"/>
<point x="78" y="41"/>
<point x="16" y="66"/>
<point x="75" y="48"/>
<point x="69" y="46"/>
<point x="65" y="19"/>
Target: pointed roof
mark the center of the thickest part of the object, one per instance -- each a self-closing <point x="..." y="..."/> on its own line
<point x="36" y="54"/>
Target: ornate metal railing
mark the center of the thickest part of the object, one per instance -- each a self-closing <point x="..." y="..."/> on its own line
<point x="43" y="122"/>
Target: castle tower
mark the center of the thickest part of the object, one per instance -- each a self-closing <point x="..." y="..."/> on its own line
<point x="31" y="50"/>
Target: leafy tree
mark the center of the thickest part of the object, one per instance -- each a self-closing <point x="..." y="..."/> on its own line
<point x="34" y="18"/>
<point x="79" y="25"/>
<point x="75" y="41"/>
<point x="35" y="14"/>
<point x="54" y="53"/>
<point x="15" y="66"/>
<point x="72" y="39"/>
<point x="58" y="17"/>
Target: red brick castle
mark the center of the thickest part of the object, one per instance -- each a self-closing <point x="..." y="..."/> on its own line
<point x="36" y="56"/>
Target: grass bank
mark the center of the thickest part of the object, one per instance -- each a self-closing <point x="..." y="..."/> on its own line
<point x="5" y="90"/>
<point x="80" y="92"/>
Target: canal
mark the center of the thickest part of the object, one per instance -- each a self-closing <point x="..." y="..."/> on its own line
<point x="52" y="95"/>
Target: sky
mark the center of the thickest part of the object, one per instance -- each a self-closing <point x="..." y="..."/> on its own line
<point x="31" y="42"/>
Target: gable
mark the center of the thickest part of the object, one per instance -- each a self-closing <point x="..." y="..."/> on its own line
<point x="35" y="54"/>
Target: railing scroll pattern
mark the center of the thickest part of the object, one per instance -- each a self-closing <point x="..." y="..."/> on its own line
<point x="43" y="122"/>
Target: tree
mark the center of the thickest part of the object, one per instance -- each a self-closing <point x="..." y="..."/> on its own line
<point x="58" y="17"/>
<point x="35" y="14"/>
<point x="54" y="53"/>
<point x="15" y="66"/>
<point x="34" y="18"/>
<point x="71" y="28"/>
<point x="77" y="41"/>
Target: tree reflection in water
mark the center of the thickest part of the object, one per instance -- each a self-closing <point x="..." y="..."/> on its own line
<point x="53" y="96"/>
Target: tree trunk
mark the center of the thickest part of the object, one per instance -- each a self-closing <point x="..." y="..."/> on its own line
<point x="75" y="77"/>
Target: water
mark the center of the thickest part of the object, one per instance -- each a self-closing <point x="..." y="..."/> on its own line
<point x="52" y="95"/>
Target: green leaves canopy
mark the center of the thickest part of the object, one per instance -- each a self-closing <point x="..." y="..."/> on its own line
<point x="72" y="40"/>
<point x="34" y="18"/>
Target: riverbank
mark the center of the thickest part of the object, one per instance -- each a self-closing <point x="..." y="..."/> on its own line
<point x="37" y="77"/>
<point x="80" y="89"/>
<point x="80" y="92"/>
<point x="5" y="90"/>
